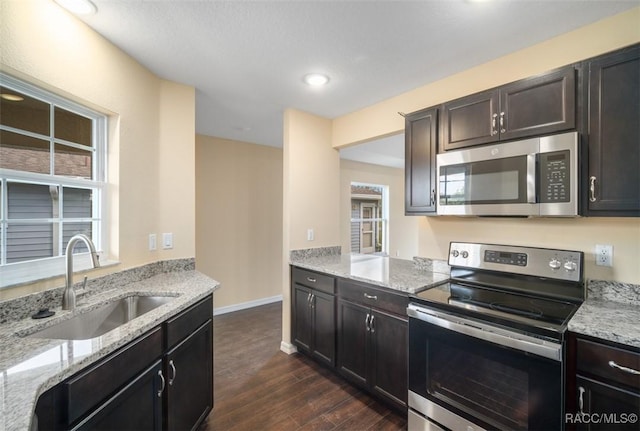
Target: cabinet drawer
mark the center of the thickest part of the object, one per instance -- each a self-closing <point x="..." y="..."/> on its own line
<point x="90" y="387"/>
<point x="374" y="297"/>
<point x="597" y="359"/>
<point x="322" y="282"/>
<point x="185" y="323"/>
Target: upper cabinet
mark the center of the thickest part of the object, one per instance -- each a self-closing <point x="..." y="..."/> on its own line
<point x="421" y="146"/>
<point x="613" y="184"/>
<point x="540" y="105"/>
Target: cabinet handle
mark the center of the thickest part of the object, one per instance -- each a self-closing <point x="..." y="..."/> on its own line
<point x="433" y="196"/>
<point x="313" y="301"/>
<point x="502" y="129"/>
<point x="580" y="400"/>
<point x="592" y="189"/>
<point x="163" y="384"/>
<point x="366" y="322"/>
<point x="493" y="124"/>
<point x="308" y="300"/>
<point x="311" y="280"/>
<point x="625" y="369"/>
<point x="173" y="372"/>
<point x="374" y="297"/>
<point x="372" y="326"/>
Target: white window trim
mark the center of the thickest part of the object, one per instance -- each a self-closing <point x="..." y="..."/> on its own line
<point x="18" y="273"/>
<point x="385" y="212"/>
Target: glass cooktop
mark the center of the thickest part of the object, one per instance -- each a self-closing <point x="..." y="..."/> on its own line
<point x="532" y="314"/>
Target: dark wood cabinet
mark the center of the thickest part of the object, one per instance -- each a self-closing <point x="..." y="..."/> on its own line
<point x="613" y="180"/>
<point x="137" y="407"/>
<point x="313" y="315"/>
<point x="161" y="380"/>
<point x="372" y="342"/>
<point x="188" y="369"/>
<point x="534" y="106"/>
<point x="421" y="147"/>
<point x="602" y="388"/>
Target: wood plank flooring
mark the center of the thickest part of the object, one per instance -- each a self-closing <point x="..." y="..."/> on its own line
<point x="258" y="387"/>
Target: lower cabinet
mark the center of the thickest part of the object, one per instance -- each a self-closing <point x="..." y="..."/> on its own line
<point x="313" y="315"/>
<point x="604" y="390"/>
<point x="163" y="380"/>
<point x="138" y="406"/>
<point x="189" y="374"/>
<point x="372" y="350"/>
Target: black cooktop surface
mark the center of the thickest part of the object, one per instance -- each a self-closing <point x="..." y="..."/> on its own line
<point x="525" y="312"/>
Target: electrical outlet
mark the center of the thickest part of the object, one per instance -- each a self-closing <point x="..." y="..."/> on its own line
<point x="604" y="255"/>
<point x="310" y="235"/>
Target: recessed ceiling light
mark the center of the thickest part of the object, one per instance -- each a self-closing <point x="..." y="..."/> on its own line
<point x="11" y="97"/>
<point x="316" y="79"/>
<point x="78" y="7"/>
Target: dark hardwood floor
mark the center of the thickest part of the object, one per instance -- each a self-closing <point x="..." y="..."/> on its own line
<point x="258" y="387"/>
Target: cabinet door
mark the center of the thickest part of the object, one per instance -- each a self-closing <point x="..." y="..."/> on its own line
<point x="302" y="317"/>
<point x="137" y="407"/>
<point x="353" y="338"/>
<point x="471" y="120"/>
<point x="324" y="327"/>
<point x="608" y="407"/>
<point x="614" y="134"/>
<point x="189" y="374"/>
<point x="389" y="335"/>
<point x="537" y="106"/>
<point x="421" y="139"/>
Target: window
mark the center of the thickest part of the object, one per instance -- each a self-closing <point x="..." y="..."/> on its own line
<point x="52" y="180"/>
<point x="369" y="218"/>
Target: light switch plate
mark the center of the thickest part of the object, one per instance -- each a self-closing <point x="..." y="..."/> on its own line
<point x="152" y="242"/>
<point x="167" y="241"/>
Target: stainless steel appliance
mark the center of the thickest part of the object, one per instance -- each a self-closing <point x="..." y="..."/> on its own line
<point x="533" y="177"/>
<point x="487" y="348"/>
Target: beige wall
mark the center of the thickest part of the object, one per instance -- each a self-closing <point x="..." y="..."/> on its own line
<point x="239" y="218"/>
<point x="151" y="127"/>
<point x="578" y="234"/>
<point x="311" y="193"/>
<point x="403" y="241"/>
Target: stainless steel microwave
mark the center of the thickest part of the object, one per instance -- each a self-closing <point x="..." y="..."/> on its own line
<point x="534" y="177"/>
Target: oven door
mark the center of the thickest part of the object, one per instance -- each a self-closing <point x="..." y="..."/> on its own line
<point x="469" y="375"/>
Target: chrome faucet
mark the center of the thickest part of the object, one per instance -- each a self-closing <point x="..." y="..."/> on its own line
<point x="69" y="294"/>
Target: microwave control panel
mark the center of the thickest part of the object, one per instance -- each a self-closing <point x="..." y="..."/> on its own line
<point x="555" y="177"/>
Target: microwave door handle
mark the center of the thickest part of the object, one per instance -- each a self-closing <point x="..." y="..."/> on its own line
<point x="531" y="178"/>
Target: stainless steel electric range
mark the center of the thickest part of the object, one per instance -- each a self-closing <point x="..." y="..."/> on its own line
<point x="486" y="349"/>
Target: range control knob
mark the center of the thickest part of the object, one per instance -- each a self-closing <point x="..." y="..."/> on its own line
<point x="570" y="266"/>
<point x="465" y="254"/>
<point x="455" y="253"/>
<point x="554" y="264"/>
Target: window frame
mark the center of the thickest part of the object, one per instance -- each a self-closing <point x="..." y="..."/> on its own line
<point x="16" y="273"/>
<point x="383" y="220"/>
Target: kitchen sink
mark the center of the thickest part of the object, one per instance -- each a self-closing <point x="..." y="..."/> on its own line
<point x="101" y="320"/>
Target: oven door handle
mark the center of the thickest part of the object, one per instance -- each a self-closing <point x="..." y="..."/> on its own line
<point x="488" y="333"/>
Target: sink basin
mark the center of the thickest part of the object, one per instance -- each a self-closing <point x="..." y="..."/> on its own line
<point x="101" y="320"/>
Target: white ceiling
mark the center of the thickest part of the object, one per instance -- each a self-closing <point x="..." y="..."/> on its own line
<point x="246" y="59"/>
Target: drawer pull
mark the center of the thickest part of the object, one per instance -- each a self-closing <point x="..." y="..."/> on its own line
<point x="581" y="400"/>
<point x="374" y="297"/>
<point x="625" y="369"/>
<point x="311" y="280"/>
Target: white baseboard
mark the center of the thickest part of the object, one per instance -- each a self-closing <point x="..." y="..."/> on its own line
<point x="288" y="348"/>
<point x="245" y="305"/>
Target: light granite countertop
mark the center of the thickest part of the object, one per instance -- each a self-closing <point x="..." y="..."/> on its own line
<point x="30" y="366"/>
<point x="409" y="276"/>
<point x="611" y="312"/>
